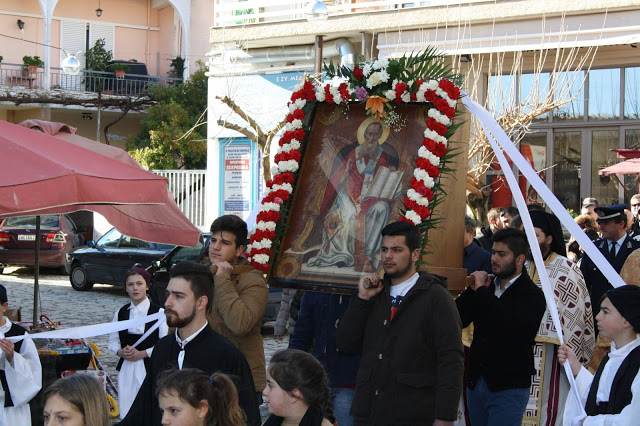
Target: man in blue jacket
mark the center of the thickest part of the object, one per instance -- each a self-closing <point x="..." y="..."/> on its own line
<point x="318" y="319"/>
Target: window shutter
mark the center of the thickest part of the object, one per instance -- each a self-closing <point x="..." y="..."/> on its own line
<point x="72" y="40"/>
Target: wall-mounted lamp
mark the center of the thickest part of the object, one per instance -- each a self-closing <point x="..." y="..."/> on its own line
<point x="98" y="10"/>
<point x="20" y="24"/>
<point x="316" y="10"/>
<point x="465" y="58"/>
<point x="87" y="116"/>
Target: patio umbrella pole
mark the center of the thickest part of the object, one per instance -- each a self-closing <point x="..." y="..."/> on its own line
<point x="36" y="275"/>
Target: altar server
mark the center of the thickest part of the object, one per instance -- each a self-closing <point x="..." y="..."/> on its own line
<point x="20" y="370"/>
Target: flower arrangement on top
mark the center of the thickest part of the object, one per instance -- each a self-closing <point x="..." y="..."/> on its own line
<point x="381" y="83"/>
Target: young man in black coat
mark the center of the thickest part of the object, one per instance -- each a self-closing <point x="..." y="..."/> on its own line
<point x="193" y="345"/>
<point x="408" y="331"/>
<point x="506" y="314"/>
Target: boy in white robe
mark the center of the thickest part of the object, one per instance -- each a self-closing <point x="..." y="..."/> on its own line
<point x="20" y="370"/>
<point x="612" y="396"/>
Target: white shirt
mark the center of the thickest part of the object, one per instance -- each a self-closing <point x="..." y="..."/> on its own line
<point x="403" y="288"/>
<point x="498" y="292"/>
<point x="135" y="312"/>
<point x="629" y="415"/>
<point x="24" y="379"/>
<point x="184" y="342"/>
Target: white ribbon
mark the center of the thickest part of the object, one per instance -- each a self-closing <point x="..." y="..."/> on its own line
<point x="97" y="329"/>
<point x="498" y="138"/>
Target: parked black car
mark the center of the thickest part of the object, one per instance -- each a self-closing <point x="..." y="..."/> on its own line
<point x="107" y="261"/>
<point x="160" y="276"/>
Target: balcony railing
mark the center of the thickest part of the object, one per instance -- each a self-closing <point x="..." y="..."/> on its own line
<point x="86" y="81"/>
<point x="244" y="12"/>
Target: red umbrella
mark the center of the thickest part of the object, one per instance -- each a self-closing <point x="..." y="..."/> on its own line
<point x="628" y="167"/>
<point x="40" y="171"/>
<point x="161" y="223"/>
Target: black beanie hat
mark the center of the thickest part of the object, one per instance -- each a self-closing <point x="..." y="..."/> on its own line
<point x="551" y="226"/>
<point x="626" y="299"/>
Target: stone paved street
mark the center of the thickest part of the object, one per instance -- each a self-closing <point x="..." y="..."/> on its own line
<point x="74" y="308"/>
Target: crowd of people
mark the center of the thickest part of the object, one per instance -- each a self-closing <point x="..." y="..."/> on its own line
<point x="401" y="351"/>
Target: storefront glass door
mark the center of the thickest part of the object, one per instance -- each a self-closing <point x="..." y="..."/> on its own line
<point x="567" y="155"/>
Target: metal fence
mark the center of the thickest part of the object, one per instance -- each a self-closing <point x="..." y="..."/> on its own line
<point x="187" y="187"/>
<point x="240" y="12"/>
<point x="86" y="81"/>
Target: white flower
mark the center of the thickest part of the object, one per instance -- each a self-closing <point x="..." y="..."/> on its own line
<point x="296" y="124"/>
<point x="439" y="117"/>
<point x="336" y="95"/>
<point x="432" y="84"/>
<point x="413" y="195"/>
<point x="288" y="165"/>
<point x="383" y="76"/>
<point x="265" y="243"/>
<point x="261" y="258"/>
<point x="266" y="226"/>
<point x="300" y="103"/>
<point x="422" y="175"/>
<point x="286" y="186"/>
<point x="420" y="93"/>
<point x="406" y="97"/>
<point x="366" y="69"/>
<point x="434" y="136"/>
<point x="390" y="94"/>
<point x="374" y="80"/>
<point x="275" y="170"/>
<point x="381" y="63"/>
<point x="266" y="207"/>
<point x="294" y="144"/>
<point x="298" y="86"/>
<point x="413" y="217"/>
<point x="320" y="95"/>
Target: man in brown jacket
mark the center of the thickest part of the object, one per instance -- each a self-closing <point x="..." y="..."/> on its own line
<point x="240" y="294"/>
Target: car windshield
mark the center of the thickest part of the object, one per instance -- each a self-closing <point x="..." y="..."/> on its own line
<point x="50" y="221"/>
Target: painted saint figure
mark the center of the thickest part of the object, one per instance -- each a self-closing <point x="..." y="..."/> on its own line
<point x="362" y="186"/>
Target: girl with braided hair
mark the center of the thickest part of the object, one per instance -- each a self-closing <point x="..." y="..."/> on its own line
<point x="189" y="397"/>
<point x="297" y="392"/>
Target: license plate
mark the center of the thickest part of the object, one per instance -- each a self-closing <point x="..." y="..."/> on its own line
<point x="26" y="237"/>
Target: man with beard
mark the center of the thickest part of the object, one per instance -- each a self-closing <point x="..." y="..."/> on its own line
<point x="193" y="345"/>
<point x="506" y="314"/>
<point x="550" y="387"/>
<point x="408" y="331"/>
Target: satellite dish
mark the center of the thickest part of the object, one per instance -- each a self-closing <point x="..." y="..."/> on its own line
<point x="316" y="11"/>
<point x="71" y="65"/>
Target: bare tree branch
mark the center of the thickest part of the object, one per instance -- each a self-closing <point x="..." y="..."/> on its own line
<point x="246" y="117"/>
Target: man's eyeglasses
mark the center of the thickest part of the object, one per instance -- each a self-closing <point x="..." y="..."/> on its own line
<point x="635" y="205"/>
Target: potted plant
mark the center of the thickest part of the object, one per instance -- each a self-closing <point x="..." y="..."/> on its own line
<point x="120" y="69"/>
<point x="32" y="63"/>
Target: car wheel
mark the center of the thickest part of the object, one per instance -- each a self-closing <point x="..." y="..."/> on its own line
<point x="78" y="278"/>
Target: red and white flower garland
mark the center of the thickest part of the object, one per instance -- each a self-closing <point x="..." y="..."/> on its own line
<point x="441" y="94"/>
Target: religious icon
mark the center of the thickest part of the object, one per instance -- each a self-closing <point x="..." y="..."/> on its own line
<point x="354" y="172"/>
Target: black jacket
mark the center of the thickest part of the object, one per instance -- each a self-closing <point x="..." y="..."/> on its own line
<point x="594" y="279"/>
<point x="486" y="239"/>
<point x="504" y="330"/>
<point x="411" y="367"/>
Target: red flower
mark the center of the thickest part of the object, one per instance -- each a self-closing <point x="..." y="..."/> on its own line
<point x="289" y="118"/>
<point x="294" y="154"/>
<point x="328" y="97"/>
<point x="344" y="92"/>
<point x="404" y="219"/>
<point x="426" y="165"/>
<point x="400" y="89"/>
<point x="286" y="137"/>
<point x="414" y="89"/>
<point x="450" y="88"/>
<point x="439" y="128"/>
<point x="444" y="108"/>
<point x="358" y="74"/>
<point x="268" y="216"/>
<point x="299" y="134"/>
<point x="429" y="144"/>
<point x="440" y="149"/>
<point x="430" y="95"/>
<point x="298" y="114"/>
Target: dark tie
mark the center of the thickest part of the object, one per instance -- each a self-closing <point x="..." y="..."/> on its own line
<point x="612" y="252"/>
